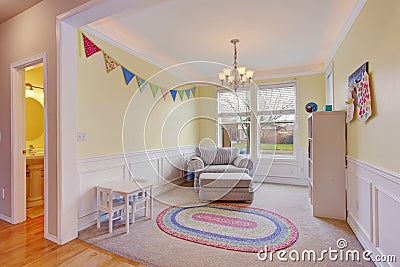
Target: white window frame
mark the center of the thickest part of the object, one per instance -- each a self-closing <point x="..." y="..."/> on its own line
<point x="255" y="150"/>
<point x="329" y="94"/>
<point x="219" y="132"/>
<point x="259" y="155"/>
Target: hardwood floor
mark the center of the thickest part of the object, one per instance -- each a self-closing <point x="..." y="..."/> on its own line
<point x="24" y="245"/>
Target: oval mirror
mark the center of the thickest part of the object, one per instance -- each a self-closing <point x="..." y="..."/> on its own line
<point x="34" y="119"/>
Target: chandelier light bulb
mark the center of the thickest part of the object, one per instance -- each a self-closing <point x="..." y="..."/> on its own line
<point x="221" y="76"/>
<point x="241" y="70"/>
<point x="227" y="71"/>
<point x="249" y="74"/>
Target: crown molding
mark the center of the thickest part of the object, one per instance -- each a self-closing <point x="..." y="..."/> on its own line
<point x="291" y="71"/>
<point x="285" y="72"/>
<point x="349" y="23"/>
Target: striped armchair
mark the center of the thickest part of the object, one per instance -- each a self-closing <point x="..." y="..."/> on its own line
<point x="218" y="160"/>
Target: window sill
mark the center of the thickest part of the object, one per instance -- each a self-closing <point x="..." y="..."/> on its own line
<point x="277" y="158"/>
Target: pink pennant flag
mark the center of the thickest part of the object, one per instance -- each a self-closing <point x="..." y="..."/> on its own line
<point x="90" y="47"/>
<point x="110" y="62"/>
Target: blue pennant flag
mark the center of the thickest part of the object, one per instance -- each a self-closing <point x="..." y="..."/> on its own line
<point x="173" y="94"/>
<point x="188" y="93"/>
<point x="127" y="75"/>
<point x="194" y="91"/>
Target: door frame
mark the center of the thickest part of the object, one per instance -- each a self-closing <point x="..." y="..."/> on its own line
<point x="68" y="178"/>
<point x="18" y="138"/>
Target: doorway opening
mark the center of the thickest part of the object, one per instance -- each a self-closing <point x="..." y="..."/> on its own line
<point x="29" y="139"/>
<point x="34" y="137"/>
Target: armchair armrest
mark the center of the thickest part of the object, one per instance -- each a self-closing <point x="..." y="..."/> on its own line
<point x="243" y="162"/>
<point x="195" y="164"/>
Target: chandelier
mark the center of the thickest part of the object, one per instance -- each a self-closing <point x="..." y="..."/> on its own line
<point x="238" y="76"/>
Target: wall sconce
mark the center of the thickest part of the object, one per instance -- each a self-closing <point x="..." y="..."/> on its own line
<point x="29" y="92"/>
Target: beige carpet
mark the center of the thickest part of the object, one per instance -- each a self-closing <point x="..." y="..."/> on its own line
<point x="147" y="244"/>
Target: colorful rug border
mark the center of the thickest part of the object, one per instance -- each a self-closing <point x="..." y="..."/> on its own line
<point x="288" y="242"/>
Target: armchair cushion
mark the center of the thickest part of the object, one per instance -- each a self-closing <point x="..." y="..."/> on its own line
<point x="243" y="162"/>
<point x="195" y="164"/>
<point x="218" y="156"/>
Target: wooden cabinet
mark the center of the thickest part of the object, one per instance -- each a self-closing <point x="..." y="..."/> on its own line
<point x="326" y="164"/>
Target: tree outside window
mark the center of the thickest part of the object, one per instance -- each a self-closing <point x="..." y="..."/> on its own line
<point x="276" y="115"/>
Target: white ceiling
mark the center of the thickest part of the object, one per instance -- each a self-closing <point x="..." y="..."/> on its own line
<point x="276" y="36"/>
<point x="10" y="8"/>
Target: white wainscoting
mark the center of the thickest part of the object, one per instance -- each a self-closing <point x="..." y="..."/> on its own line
<point x="373" y="205"/>
<point x="282" y="170"/>
<point x="161" y="167"/>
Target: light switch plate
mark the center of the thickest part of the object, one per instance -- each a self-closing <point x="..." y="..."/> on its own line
<point x="81" y="137"/>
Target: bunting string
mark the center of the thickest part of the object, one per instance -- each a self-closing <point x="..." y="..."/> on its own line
<point x="111" y="64"/>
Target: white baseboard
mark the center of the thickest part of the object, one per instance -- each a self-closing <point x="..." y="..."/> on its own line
<point x="281" y="180"/>
<point x="52" y="238"/>
<point x="286" y="180"/>
<point x="362" y="238"/>
<point x="6" y="218"/>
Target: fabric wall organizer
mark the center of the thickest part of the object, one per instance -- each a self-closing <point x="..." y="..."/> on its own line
<point x="359" y="95"/>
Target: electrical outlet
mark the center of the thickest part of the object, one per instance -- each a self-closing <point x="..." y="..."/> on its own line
<point x="2" y="193"/>
<point x="0" y="136"/>
<point x="81" y="137"/>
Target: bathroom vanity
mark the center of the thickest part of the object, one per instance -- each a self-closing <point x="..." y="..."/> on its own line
<point x="34" y="179"/>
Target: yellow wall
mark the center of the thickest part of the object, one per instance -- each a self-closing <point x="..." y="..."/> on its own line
<point x="207" y="110"/>
<point x="34" y="111"/>
<point x="150" y="123"/>
<point x="374" y="37"/>
<point x="309" y="88"/>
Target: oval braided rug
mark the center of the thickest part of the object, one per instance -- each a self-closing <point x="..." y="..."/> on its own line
<point x="228" y="226"/>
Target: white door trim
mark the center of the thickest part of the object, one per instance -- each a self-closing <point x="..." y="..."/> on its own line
<point x="18" y="139"/>
<point x="67" y="47"/>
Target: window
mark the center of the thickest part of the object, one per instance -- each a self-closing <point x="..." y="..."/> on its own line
<point x="234" y="119"/>
<point x="275" y="109"/>
<point x="329" y="86"/>
<point x="276" y="113"/>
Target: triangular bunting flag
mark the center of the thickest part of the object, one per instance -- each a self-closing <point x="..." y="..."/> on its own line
<point x="111" y="64"/>
<point x="164" y="92"/>
<point x="90" y="47"/>
<point x="181" y="93"/>
<point x="154" y="89"/>
<point x="141" y="83"/>
<point x="188" y="93"/>
<point x="193" y="91"/>
<point x="127" y="75"/>
<point x="173" y="94"/>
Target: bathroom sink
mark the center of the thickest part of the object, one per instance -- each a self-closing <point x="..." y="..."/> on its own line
<point x="35" y="158"/>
